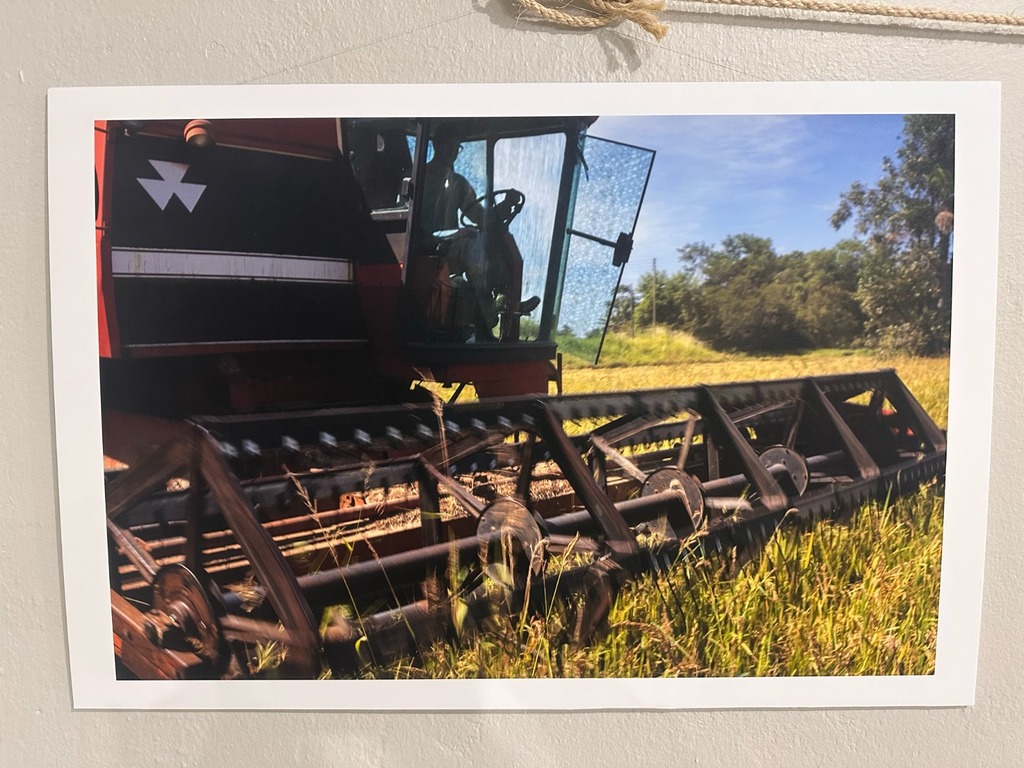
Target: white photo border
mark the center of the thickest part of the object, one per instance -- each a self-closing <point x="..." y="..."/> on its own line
<point x="75" y="366"/>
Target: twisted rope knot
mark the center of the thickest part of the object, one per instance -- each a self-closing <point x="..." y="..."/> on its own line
<point x="600" y="13"/>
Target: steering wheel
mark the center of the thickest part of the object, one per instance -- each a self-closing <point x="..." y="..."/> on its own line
<point x="503" y="205"/>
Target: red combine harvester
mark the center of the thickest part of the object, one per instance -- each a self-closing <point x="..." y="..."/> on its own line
<point x="271" y="294"/>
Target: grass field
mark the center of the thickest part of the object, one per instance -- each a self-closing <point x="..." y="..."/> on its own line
<point x="687" y="363"/>
<point x="842" y="599"/>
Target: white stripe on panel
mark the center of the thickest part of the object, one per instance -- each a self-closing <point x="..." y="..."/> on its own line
<point x="141" y="262"/>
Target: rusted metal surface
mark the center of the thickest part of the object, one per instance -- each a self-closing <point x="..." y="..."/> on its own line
<point x="143" y="658"/>
<point x="194" y="447"/>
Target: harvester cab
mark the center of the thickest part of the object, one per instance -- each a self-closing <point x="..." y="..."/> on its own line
<point x="508" y="232"/>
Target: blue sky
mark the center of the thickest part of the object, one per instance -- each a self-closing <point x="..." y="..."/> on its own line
<point x="776" y="176"/>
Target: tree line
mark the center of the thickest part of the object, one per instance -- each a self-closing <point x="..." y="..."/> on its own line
<point x="889" y="287"/>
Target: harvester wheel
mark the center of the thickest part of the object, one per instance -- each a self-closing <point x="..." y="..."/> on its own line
<point x="601" y="584"/>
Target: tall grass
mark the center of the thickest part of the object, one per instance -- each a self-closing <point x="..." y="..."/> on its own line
<point x="858" y="599"/>
<point x="644" y="348"/>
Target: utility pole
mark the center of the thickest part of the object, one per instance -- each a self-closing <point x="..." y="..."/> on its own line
<point x="654" y="298"/>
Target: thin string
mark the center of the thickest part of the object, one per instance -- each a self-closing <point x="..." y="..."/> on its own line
<point x="582" y="14"/>
<point x="368" y="44"/>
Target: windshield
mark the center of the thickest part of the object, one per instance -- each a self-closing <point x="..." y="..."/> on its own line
<point x="484" y="221"/>
<point x="532" y="165"/>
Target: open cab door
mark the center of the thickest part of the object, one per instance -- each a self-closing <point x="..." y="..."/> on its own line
<point x="599" y="239"/>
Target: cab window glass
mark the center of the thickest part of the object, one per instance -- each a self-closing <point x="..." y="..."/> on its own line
<point x="532" y="165"/>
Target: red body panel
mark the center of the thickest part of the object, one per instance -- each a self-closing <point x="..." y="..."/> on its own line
<point x="108" y="337"/>
<point x="312" y="137"/>
<point x="505" y="379"/>
<point x="379" y="287"/>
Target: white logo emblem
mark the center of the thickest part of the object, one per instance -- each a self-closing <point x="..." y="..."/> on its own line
<point x="170" y="184"/>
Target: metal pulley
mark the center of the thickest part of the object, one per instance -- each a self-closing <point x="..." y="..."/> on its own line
<point x="669" y="478"/>
<point x="182" y="616"/>
<point x="675" y="479"/>
<point x="511" y="543"/>
<point x="790" y="465"/>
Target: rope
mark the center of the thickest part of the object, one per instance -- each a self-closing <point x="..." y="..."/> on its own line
<point x="591" y="14"/>
<point x="870" y="9"/>
<point x="600" y="13"/>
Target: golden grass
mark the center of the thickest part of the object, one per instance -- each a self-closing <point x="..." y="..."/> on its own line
<point x="927" y="378"/>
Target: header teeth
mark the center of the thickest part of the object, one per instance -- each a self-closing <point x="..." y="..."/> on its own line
<point x="362" y="437"/>
<point x="289" y="443"/>
<point x="327" y="440"/>
<point x="228" y="450"/>
<point x="250" y="448"/>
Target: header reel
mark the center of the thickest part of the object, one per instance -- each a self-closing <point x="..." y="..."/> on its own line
<point x="482" y="500"/>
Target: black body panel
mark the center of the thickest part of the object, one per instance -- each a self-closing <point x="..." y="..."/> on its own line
<point x="169" y="311"/>
<point x="251" y="202"/>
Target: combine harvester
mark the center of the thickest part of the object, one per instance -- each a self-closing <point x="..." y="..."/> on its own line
<point x="282" y="278"/>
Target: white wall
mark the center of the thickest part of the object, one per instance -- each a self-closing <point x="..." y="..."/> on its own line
<point x="71" y="43"/>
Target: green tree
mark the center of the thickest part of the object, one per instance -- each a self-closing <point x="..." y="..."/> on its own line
<point x="745" y="296"/>
<point x="905" y="302"/>
<point x="907" y="218"/>
<point x="822" y="289"/>
<point x="676" y="297"/>
<point x="743" y="254"/>
<point x="741" y="304"/>
<point x="623" y="310"/>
